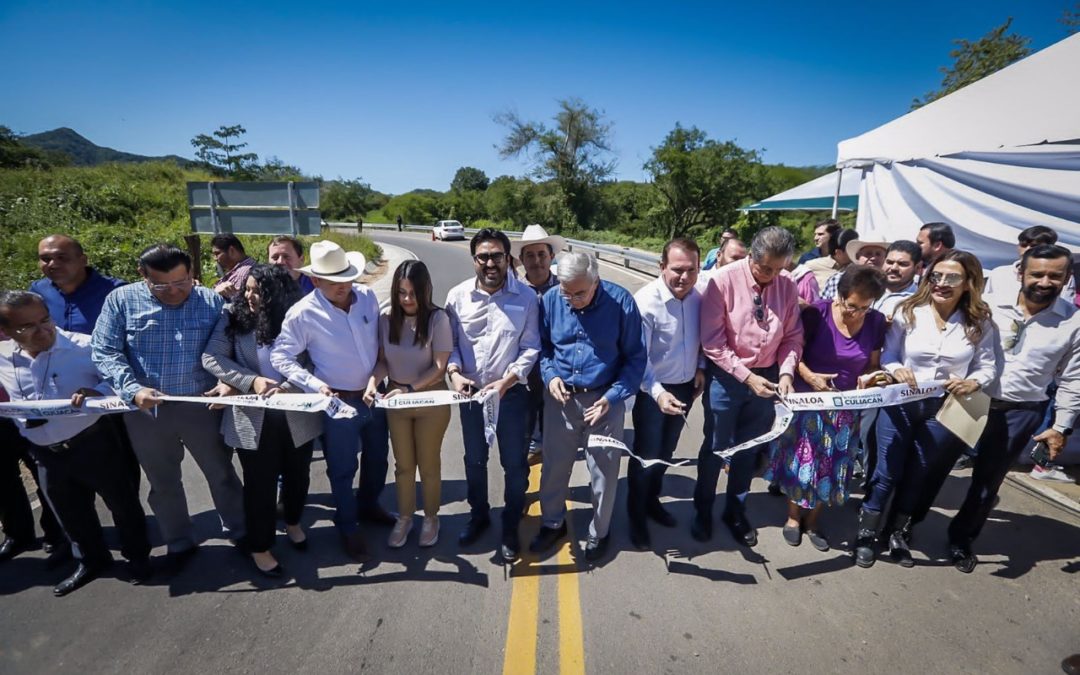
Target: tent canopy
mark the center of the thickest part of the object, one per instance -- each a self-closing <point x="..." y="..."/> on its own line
<point x="816" y="195"/>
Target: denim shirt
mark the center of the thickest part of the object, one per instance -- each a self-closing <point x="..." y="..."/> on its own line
<point x="78" y="311"/>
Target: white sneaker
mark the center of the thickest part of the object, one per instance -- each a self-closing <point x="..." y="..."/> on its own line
<point x="400" y="533"/>
<point x="429" y="531"/>
<point x="1051" y="472"/>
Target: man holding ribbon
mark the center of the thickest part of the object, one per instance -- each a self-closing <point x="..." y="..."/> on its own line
<point x="670" y="308"/>
<point x="78" y="456"/>
<point x="494" y="318"/>
<point x="150" y="339"/>
<point x="593" y="359"/>
<point x="752" y="337"/>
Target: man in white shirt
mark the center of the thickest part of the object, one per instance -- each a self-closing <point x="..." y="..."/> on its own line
<point x="670" y="308"/>
<point x="338" y="326"/>
<point x="1005" y="280"/>
<point x="78" y="457"/>
<point x="1039" y="343"/>
<point x="496" y="343"/>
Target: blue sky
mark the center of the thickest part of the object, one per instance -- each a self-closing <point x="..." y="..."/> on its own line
<point x="402" y="94"/>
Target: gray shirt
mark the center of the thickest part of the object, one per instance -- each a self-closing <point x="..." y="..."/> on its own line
<point x="407" y="361"/>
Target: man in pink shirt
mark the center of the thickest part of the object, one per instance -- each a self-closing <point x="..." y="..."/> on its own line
<point x="752" y="338"/>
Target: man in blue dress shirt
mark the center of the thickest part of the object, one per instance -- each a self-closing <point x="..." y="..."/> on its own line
<point x="73" y="291"/>
<point x="592" y="359"/>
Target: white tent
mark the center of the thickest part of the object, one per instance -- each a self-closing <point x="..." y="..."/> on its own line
<point x="819" y="194"/>
<point x="991" y="159"/>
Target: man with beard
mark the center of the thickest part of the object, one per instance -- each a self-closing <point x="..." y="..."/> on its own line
<point x="1005" y="280"/>
<point x="901" y="264"/>
<point x="495" y="321"/>
<point x="1040" y="341"/>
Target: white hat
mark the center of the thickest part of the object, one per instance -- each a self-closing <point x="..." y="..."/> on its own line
<point x="853" y="247"/>
<point x="329" y="261"/>
<point x="534" y="234"/>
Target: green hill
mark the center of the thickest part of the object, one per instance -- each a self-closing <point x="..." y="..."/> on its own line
<point x="84" y="152"/>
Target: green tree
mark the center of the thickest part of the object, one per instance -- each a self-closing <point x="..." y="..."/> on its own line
<point x="702" y="183"/>
<point x="273" y="169"/>
<point x="414" y="208"/>
<point x="15" y="155"/>
<point x="220" y="152"/>
<point x="575" y="153"/>
<point x="469" y="178"/>
<point x="347" y="199"/>
<point x="511" y="200"/>
<point x="973" y="61"/>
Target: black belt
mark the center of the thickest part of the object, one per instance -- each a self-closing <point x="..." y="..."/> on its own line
<point x="1035" y="406"/>
<point x="74" y="440"/>
<point x="575" y="389"/>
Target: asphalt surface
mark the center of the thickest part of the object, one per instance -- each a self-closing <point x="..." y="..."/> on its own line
<point x="684" y="607"/>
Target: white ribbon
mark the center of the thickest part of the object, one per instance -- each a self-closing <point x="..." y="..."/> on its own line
<point x="488" y="398"/>
<point x="331" y="405"/>
<point x="103" y="405"/>
<point x="596" y="440"/>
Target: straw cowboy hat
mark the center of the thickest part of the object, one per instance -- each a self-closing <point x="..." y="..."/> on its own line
<point x="534" y="234"/>
<point x="330" y="262"/>
<point x="853" y="247"/>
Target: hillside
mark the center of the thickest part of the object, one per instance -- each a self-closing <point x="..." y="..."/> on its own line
<point x="84" y="152"/>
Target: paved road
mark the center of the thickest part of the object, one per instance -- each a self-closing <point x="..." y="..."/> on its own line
<point x="685" y="607"/>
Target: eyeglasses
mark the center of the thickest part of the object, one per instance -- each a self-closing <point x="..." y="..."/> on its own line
<point x="161" y="288"/>
<point x="852" y="309"/>
<point x="575" y="297"/>
<point x="759" y="309"/>
<point x="23" y="330"/>
<point x="950" y="279"/>
<point x="1013" y="340"/>
<point x="484" y="258"/>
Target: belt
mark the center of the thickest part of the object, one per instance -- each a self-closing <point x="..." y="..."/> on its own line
<point x="999" y="404"/>
<point x="575" y="389"/>
<point x="74" y="440"/>
<point x="348" y="392"/>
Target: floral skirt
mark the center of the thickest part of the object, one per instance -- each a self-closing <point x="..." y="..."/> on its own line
<point x="812" y="460"/>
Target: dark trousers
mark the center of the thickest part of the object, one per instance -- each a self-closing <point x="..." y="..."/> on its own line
<point x="655" y="436"/>
<point x="16" y="516"/>
<point x="914" y="456"/>
<point x="127" y="451"/>
<point x="535" y="414"/>
<point x="368" y="435"/>
<point x="1007" y="434"/>
<point x="513" y="444"/>
<point x="733" y="415"/>
<point x="71" y="476"/>
<point x="275" y="456"/>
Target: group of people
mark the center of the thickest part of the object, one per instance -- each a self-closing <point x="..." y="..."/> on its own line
<point x="566" y="354"/>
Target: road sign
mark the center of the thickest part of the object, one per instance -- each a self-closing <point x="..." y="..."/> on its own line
<point x="254" y="208"/>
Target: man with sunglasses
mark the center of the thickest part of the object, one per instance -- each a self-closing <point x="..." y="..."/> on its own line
<point x="752" y="337"/>
<point x="496" y="342"/>
<point x="1040" y="343"/>
<point x="149" y="339"/>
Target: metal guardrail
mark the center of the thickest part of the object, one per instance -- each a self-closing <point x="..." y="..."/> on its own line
<point x="638" y="261"/>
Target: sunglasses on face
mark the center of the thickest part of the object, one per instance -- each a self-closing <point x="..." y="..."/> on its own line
<point x="484" y="258"/>
<point x="950" y="279"/>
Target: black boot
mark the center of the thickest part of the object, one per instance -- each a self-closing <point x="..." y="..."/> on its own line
<point x="898" y="541"/>
<point x="866" y="540"/>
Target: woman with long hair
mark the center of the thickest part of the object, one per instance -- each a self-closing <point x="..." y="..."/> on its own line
<point x="811" y="462"/>
<point x="941" y="333"/>
<point x="415" y="341"/>
<point x="269" y="442"/>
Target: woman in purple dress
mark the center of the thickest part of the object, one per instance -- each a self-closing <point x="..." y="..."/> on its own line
<point x="811" y="462"/>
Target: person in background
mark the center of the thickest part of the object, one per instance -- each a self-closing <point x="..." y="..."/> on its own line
<point x="712" y="258"/>
<point x="73" y="291"/>
<point x="415" y="341"/>
<point x="399" y="224"/>
<point x="822" y="232"/>
<point x="1005" y="280"/>
<point x="234" y="263"/>
<point x="812" y="460"/>
<point x="270" y="443"/>
<point x="593" y="359"/>
<point x="941" y="333"/>
<point x="1040" y="343"/>
<point x="752" y="337"/>
<point x="824" y="267"/>
<point x="289" y="253"/>
<point x="670" y="308"/>
<point x="857" y="252"/>
<point x="935" y="239"/>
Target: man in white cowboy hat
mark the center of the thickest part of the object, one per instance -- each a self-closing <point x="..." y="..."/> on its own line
<point x="338" y="326"/>
<point x="870" y="252"/>
<point x="536" y="250"/>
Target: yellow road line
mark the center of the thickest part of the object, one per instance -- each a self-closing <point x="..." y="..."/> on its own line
<point x="519" y="655"/>
<point x="571" y="631"/>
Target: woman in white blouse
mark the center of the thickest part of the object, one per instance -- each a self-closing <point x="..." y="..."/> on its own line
<point x="941" y="333"/>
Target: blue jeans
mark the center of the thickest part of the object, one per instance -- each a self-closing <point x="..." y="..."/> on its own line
<point x="914" y="456"/>
<point x="733" y="414"/>
<point x="655" y="436"/>
<point x="513" y="437"/>
<point x="342" y="440"/>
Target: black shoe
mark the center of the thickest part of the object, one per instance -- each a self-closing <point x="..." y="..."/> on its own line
<point x="473" y="529"/>
<point x="639" y="535"/>
<point x="661" y="515"/>
<point x="12" y="547"/>
<point x="775" y="491"/>
<point x="274" y="572"/>
<point x="817" y="540"/>
<point x="379" y="516"/>
<point x="60" y="554"/>
<point x="899" y="551"/>
<point x="866" y="539"/>
<point x="547" y="537"/>
<point x="596" y="547"/>
<point x="49" y="546"/>
<point x="792" y="535"/>
<point x="701" y="528"/>
<point x="509" y="548"/>
<point x="139" y="571"/>
<point x="298" y="545"/>
<point x="962" y="558"/>
<point x="175" y="561"/>
<point x="741" y="530"/>
<point x="83" y="575"/>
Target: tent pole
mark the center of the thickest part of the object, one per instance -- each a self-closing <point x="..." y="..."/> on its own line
<point x="836" y="195"/>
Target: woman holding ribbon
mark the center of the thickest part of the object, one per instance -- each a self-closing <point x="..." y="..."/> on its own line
<point x="812" y="460"/>
<point x="415" y="341"/>
<point x="942" y="333"/>
<point x="270" y="443"/>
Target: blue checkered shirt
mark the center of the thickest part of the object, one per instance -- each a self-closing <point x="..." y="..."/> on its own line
<point x="831" y="285"/>
<point x="140" y="342"/>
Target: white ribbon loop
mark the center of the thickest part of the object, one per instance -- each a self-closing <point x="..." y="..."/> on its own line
<point x="598" y="441"/>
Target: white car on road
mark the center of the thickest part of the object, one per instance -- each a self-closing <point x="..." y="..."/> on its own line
<point x="448" y="229"/>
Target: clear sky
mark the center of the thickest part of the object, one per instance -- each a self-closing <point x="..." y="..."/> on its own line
<point x="401" y="94"/>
